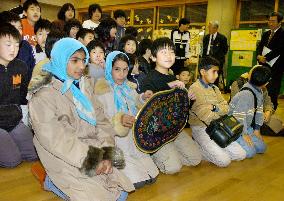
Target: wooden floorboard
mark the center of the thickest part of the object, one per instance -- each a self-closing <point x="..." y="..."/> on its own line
<point x="257" y="179"/>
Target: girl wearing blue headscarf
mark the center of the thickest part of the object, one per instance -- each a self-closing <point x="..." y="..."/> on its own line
<point x="73" y="137"/>
<point x="120" y="102"/>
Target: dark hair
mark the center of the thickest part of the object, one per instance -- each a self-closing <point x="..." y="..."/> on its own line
<point x="278" y="14"/>
<point x="132" y="60"/>
<point x="28" y="3"/>
<point x="182" y="69"/>
<point x="83" y="32"/>
<point x="71" y="23"/>
<point x="95" y="43"/>
<point x="119" y="13"/>
<point x="144" y="45"/>
<point x="162" y="43"/>
<point x="120" y="57"/>
<point x="52" y="37"/>
<point x="103" y="30"/>
<point x="42" y="24"/>
<point x="63" y="9"/>
<point x="131" y="31"/>
<point x="7" y="16"/>
<point x="260" y="75"/>
<point x="93" y="8"/>
<point x="7" y="29"/>
<point x="124" y="40"/>
<point x="207" y="63"/>
<point x="183" y="21"/>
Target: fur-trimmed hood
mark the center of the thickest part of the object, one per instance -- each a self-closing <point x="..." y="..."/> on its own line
<point x="102" y="86"/>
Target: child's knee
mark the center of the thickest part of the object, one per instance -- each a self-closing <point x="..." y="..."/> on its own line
<point x="250" y="152"/>
<point x="170" y="166"/>
<point x="260" y="148"/>
<point x="222" y="161"/>
<point x="11" y="162"/>
<point x="241" y="155"/>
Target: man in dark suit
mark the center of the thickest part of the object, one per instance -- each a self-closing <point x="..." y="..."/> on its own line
<point x="215" y="45"/>
<point x="273" y="40"/>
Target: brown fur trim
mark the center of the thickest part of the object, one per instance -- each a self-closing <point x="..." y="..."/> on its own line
<point x="132" y="85"/>
<point x="102" y="87"/>
<point x="93" y="158"/>
<point x="118" y="127"/>
<point x="39" y="82"/>
<point x="115" y="155"/>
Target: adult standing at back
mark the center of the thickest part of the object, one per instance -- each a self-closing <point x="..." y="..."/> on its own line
<point x="120" y="18"/>
<point x="181" y="39"/>
<point x="271" y="47"/>
<point x="95" y="15"/>
<point x="216" y="46"/>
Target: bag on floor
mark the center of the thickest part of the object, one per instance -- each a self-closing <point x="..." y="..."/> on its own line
<point x="10" y="116"/>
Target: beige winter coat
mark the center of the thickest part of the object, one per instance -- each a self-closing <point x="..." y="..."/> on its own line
<point x="62" y="141"/>
<point x="139" y="166"/>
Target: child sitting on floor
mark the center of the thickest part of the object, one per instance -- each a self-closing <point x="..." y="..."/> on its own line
<point x="183" y="150"/>
<point x="185" y="76"/>
<point x="120" y="103"/>
<point x="16" y="143"/>
<point x="247" y="107"/>
<point x="73" y="137"/>
<point x="210" y="105"/>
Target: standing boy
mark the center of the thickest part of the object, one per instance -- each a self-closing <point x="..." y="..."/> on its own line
<point x="181" y="39"/>
<point x="183" y="150"/>
<point x="120" y="19"/>
<point x="32" y="12"/>
<point x="42" y="29"/>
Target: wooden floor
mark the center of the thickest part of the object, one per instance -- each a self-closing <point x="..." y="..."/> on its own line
<point x="257" y="179"/>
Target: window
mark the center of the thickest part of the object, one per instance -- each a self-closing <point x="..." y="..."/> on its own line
<point x="255" y="10"/>
<point x="196" y="13"/>
<point x="168" y="16"/>
<point x="143" y="16"/>
<point x="254" y="25"/>
<point x="281" y="6"/>
<point x="144" y="22"/>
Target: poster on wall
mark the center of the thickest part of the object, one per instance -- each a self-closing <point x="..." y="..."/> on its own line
<point x="242" y="58"/>
<point x="245" y="39"/>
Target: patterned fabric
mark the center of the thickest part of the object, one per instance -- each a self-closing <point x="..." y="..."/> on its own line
<point x="60" y="55"/>
<point x="121" y="92"/>
<point x="161" y="119"/>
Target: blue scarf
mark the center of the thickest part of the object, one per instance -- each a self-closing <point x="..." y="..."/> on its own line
<point x="122" y="93"/>
<point x="60" y="55"/>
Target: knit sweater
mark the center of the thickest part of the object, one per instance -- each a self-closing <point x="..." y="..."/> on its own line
<point x="242" y="107"/>
<point x="206" y="96"/>
<point x="267" y="104"/>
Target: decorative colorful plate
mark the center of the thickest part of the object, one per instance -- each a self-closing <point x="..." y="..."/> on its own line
<point x="161" y="119"/>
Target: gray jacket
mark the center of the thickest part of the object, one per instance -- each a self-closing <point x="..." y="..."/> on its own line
<point x="242" y="107"/>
